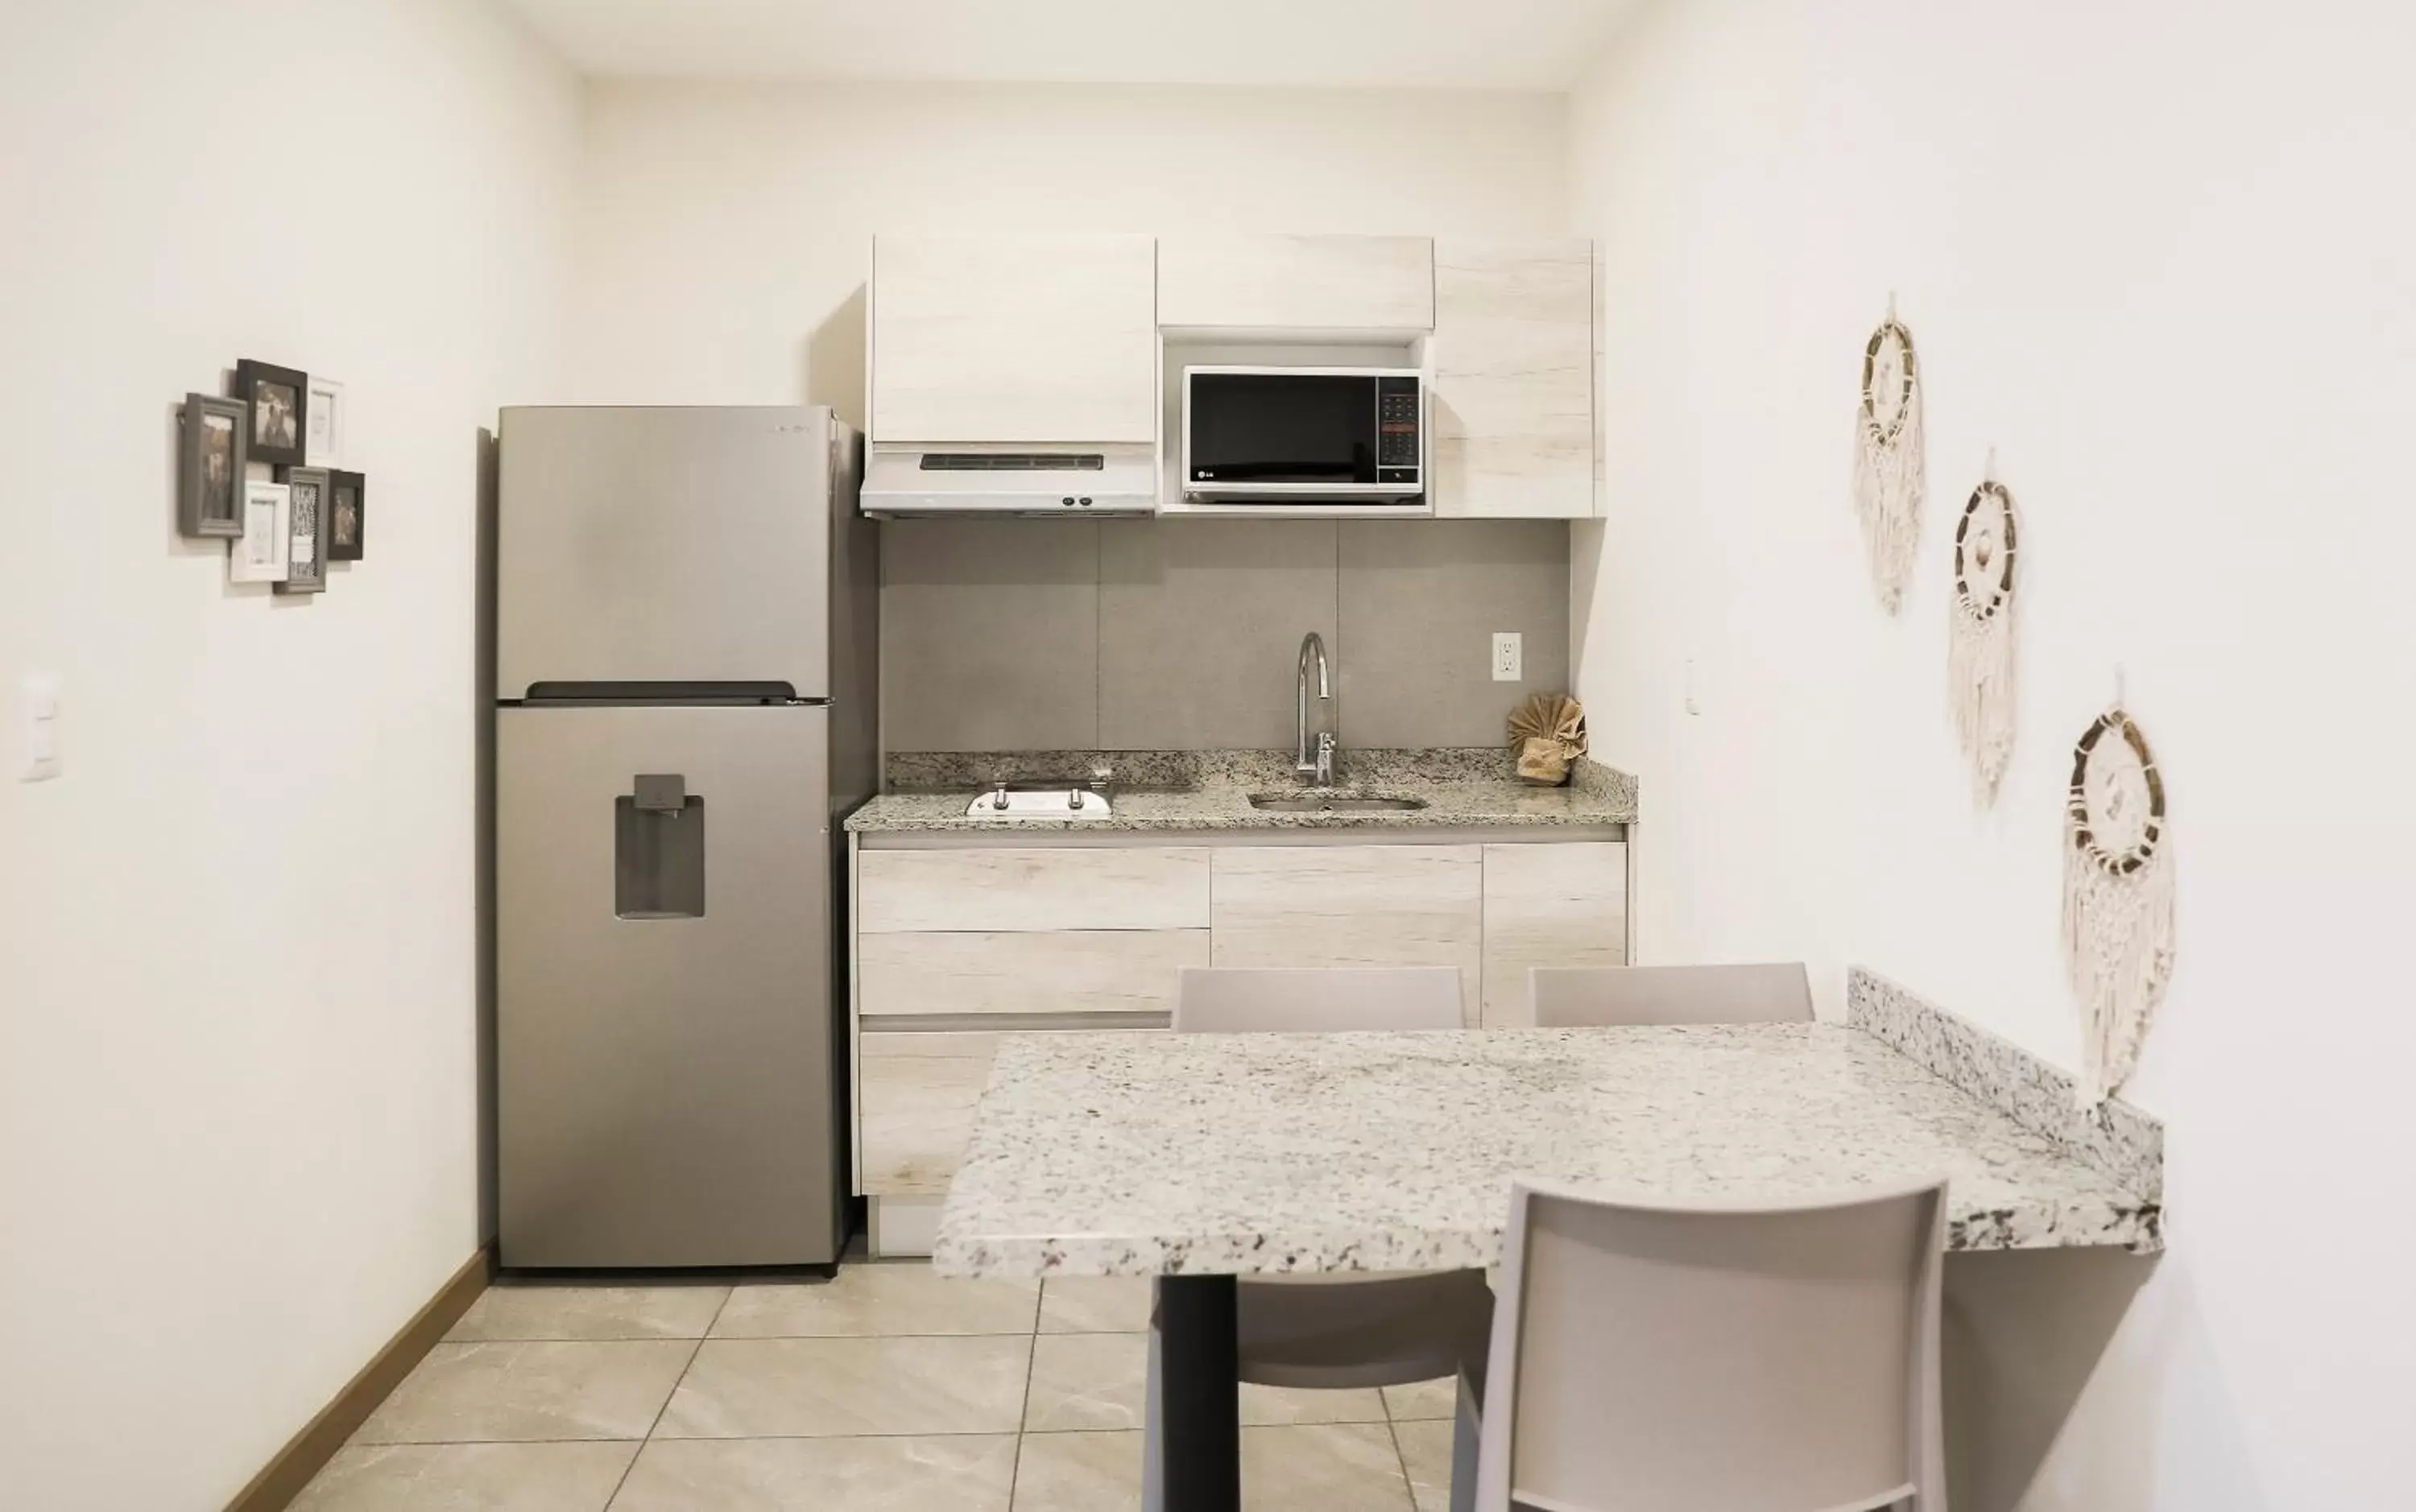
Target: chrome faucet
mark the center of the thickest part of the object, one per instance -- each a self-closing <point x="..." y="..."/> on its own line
<point x="1319" y="769"/>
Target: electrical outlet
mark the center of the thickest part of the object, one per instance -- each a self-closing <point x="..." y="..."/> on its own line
<point x="41" y="723"/>
<point x="1507" y="658"/>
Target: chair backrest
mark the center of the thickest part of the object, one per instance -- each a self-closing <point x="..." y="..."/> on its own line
<point x="1317" y="998"/>
<point x="1581" y="997"/>
<point x="1707" y="1358"/>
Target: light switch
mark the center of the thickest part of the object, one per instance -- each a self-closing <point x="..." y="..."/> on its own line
<point x="41" y="701"/>
<point x="1507" y="657"/>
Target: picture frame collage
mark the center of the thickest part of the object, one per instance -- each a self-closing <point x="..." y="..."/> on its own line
<point x="308" y="510"/>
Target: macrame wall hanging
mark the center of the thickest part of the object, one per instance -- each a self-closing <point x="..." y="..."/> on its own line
<point x="1888" y="452"/>
<point x="2118" y="897"/>
<point x="1980" y="634"/>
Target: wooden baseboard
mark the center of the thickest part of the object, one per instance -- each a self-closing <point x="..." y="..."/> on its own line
<point x="308" y="1452"/>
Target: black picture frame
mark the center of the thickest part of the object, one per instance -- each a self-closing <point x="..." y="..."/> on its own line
<point x="346" y="538"/>
<point x="306" y="570"/>
<point x="209" y="485"/>
<point x="276" y="402"/>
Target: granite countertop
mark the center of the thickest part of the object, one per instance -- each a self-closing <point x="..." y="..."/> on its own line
<point x="1463" y="789"/>
<point x="1107" y="1155"/>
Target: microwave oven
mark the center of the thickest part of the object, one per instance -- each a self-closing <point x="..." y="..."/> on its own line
<point x="1304" y="434"/>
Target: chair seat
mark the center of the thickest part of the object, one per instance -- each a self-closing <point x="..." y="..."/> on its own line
<point x="1378" y="1331"/>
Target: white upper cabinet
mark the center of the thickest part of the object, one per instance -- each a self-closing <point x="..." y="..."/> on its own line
<point x="1014" y="339"/>
<point x="1297" y="283"/>
<point x="1512" y="415"/>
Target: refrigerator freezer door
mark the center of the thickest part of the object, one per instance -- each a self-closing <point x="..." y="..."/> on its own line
<point x="664" y="1034"/>
<point x="664" y="545"/>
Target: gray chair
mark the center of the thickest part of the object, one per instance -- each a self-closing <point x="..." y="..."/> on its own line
<point x="1713" y="1357"/>
<point x="1595" y="997"/>
<point x="1336" y="1332"/>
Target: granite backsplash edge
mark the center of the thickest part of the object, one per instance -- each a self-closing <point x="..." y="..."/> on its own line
<point x="2117" y="1139"/>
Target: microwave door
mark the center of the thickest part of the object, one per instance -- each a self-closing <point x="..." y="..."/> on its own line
<point x="1312" y="430"/>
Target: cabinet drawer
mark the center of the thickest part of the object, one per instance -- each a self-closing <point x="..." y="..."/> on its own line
<point x="1551" y="905"/>
<point x="915" y="1095"/>
<point x="1331" y="283"/>
<point x="1353" y="905"/>
<point x="1031" y="889"/>
<point x="915" y="1099"/>
<point x="1066" y="971"/>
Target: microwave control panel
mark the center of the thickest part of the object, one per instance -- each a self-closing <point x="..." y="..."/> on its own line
<point x="1397" y="430"/>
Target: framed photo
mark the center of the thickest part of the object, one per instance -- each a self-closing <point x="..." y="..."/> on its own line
<point x="306" y="551"/>
<point x="278" y="399"/>
<point x="259" y="555"/>
<point x="322" y="443"/>
<point x="347" y="515"/>
<point x="209" y="492"/>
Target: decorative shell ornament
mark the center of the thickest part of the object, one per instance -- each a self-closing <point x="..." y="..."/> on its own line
<point x="1550" y="732"/>
<point x="2118" y="897"/>
<point x="1980" y="635"/>
<point x="1889" y="451"/>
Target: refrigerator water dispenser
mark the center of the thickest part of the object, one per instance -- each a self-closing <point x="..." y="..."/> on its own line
<point x="658" y="850"/>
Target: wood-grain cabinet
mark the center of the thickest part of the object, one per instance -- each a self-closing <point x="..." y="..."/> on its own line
<point x="1374" y="284"/>
<point x="1512" y="412"/>
<point x="1014" y="339"/>
<point x="950" y="942"/>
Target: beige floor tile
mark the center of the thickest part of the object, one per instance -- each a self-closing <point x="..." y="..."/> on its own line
<point x="962" y="1472"/>
<point x="500" y="1393"/>
<point x="1087" y="1381"/>
<point x="879" y="1298"/>
<point x="468" y="1478"/>
<point x="1428" y="1400"/>
<point x="511" y="1310"/>
<point x="1426" y="1453"/>
<point x="1263" y="1406"/>
<point x="741" y="1388"/>
<point x="1094" y="1305"/>
<point x="1079" y="1473"/>
<point x="1333" y="1467"/>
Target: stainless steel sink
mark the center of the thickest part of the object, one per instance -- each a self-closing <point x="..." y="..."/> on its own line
<point x="1333" y="803"/>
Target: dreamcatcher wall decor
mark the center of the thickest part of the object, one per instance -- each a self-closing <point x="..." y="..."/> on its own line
<point x="2118" y="896"/>
<point x="1888" y="457"/>
<point x="1979" y="632"/>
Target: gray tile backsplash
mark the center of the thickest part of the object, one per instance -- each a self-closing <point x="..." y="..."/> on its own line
<point x="1182" y="634"/>
<point x="989" y="633"/>
<point x="1199" y="627"/>
<point x="1421" y="600"/>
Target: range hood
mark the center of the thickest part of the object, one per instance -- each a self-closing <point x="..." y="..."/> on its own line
<point x="901" y="481"/>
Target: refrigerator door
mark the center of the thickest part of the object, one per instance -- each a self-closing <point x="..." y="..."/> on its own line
<point x="664" y="545"/>
<point x="664" y="1032"/>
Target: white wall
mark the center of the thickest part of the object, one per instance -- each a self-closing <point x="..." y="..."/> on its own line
<point x="725" y="225"/>
<point x="237" y="1101"/>
<point x="2156" y="255"/>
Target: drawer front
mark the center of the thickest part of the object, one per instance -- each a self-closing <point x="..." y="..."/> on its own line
<point x="1023" y="891"/>
<point x="1069" y="971"/>
<point x="1557" y="905"/>
<point x="1353" y="905"/>
<point x="917" y="1095"/>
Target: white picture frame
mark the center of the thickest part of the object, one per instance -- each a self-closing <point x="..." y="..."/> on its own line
<point x="323" y="446"/>
<point x="262" y="553"/>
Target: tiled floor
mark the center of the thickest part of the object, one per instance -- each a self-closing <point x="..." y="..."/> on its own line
<point x="885" y="1390"/>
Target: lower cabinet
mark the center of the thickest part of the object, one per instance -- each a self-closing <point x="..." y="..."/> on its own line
<point x="1550" y="905"/>
<point x="1352" y="906"/>
<point x="1097" y="938"/>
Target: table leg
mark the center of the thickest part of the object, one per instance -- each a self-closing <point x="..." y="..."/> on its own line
<point x="1200" y="1400"/>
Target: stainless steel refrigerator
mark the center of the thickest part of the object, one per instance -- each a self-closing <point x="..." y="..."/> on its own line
<point x="686" y="667"/>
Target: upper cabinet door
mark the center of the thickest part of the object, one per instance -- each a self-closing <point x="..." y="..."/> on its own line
<point x="1297" y="283"/>
<point x="1014" y="339"/>
<point x="1512" y="417"/>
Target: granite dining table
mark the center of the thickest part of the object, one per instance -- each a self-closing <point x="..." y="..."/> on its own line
<point x="1200" y="1158"/>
